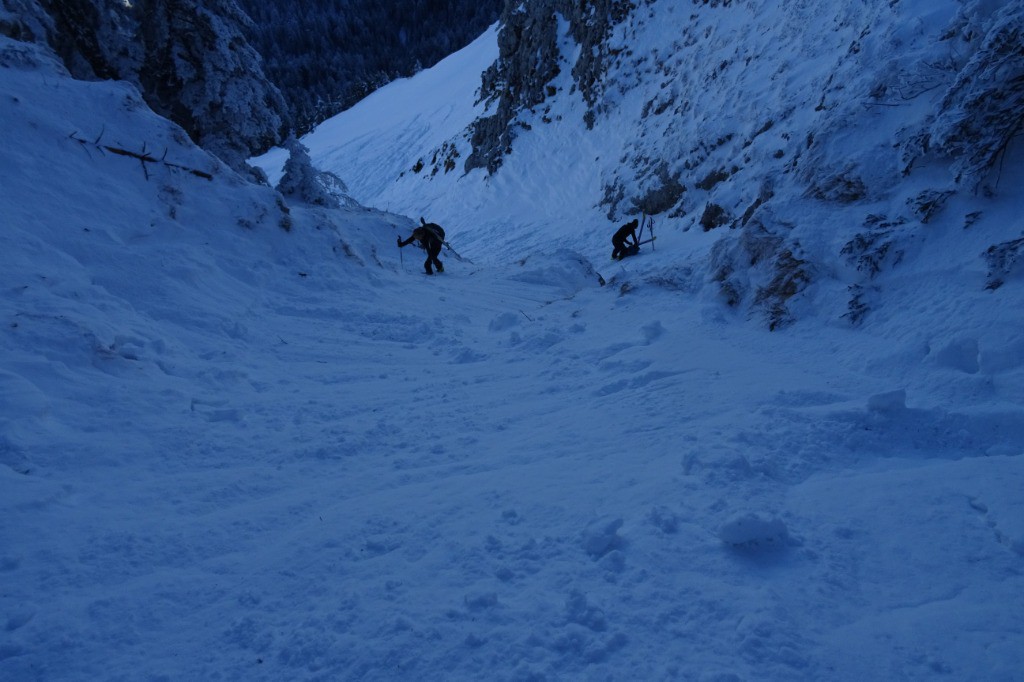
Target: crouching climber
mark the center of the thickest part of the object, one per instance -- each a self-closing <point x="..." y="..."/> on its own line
<point x="431" y="238"/>
<point x="622" y="248"/>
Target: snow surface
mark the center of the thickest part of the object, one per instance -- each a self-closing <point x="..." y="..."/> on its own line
<point x="230" y="451"/>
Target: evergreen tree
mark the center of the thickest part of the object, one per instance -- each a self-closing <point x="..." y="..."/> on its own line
<point x="326" y="56"/>
<point x="302" y="182"/>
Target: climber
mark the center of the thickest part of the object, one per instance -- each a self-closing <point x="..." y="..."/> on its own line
<point x="622" y="247"/>
<point x="431" y="238"/>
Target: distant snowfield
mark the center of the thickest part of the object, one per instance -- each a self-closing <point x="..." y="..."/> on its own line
<point x="233" y="452"/>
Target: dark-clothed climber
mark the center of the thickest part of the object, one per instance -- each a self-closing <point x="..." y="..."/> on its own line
<point x="431" y="238"/>
<point x="619" y="239"/>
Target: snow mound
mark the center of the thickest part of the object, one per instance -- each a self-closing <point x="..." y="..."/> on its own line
<point x="20" y="398"/>
<point x="564" y="270"/>
<point x="601" y="536"/>
<point x="749" y="530"/>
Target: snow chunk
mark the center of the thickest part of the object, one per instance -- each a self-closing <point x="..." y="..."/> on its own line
<point x="751" y="530"/>
<point x="892" y="401"/>
<point x="579" y="610"/>
<point x="653" y="331"/>
<point x="613" y="562"/>
<point x="566" y="270"/>
<point x="481" y="601"/>
<point x="601" y="536"/>
<point x="664" y="519"/>
<point x="503" y="321"/>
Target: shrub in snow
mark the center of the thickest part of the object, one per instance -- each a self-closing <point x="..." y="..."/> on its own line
<point x="929" y="203"/>
<point x="713" y="178"/>
<point x="844" y="187"/>
<point x="714" y="216"/>
<point x="857" y="306"/>
<point x="1004" y="260"/>
<point x="791" y="276"/>
<point x="981" y="112"/>
<point x="602" y="536"/>
<point x="761" y="255"/>
<point x="877" y="246"/>
<point x="753" y="531"/>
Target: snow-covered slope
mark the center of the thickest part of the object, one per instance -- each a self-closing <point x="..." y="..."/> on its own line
<point x="820" y="160"/>
<point x="231" y="451"/>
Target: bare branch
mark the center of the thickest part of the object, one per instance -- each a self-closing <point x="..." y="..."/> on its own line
<point x="144" y="156"/>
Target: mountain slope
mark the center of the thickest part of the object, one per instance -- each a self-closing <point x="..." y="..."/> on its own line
<point x="821" y="157"/>
<point x="231" y="450"/>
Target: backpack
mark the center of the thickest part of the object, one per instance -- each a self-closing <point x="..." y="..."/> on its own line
<point x="435" y="228"/>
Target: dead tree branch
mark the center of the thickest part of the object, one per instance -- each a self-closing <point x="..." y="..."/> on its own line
<point x="144" y="156"/>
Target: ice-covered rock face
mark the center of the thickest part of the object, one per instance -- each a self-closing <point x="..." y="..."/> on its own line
<point x="531" y="56"/>
<point x="733" y="117"/>
<point x="732" y="91"/>
<point x="190" y="60"/>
